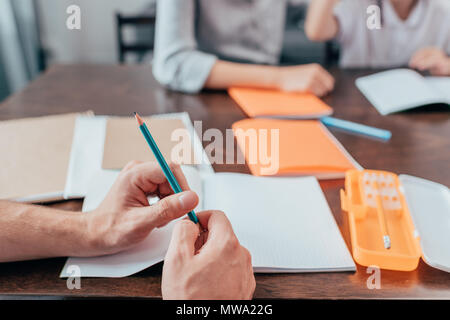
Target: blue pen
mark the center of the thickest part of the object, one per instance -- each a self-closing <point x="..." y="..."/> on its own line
<point x="356" y="127"/>
<point x="162" y="162"/>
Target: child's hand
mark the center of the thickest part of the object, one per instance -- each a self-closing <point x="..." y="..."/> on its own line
<point x="306" y="78"/>
<point x="432" y="59"/>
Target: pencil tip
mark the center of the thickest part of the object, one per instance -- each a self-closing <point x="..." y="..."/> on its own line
<point x="135" y="113"/>
<point x="138" y="118"/>
<point x="387" y="242"/>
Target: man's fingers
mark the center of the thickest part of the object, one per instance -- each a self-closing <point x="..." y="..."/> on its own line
<point x="148" y="175"/>
<point x="218" y="223"/>
<point x="169" y="208"/>
<point x="203" y="218"/>
<point x="182" y="243"/>
<point x="131" y="164"/>
<point x="179" y="175"/>
<point x="219" y="228"/>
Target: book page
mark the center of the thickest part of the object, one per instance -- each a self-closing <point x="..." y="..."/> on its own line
<point x="285" y="223"/>
<point x="441" y="85"/>
<point x="124" y="141"/>
<point x="397" y="90"/>
<point x="86" y="155"/>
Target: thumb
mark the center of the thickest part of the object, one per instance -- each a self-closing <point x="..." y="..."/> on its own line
<point x="184" y="236"/>
<point x="170" y="208"/>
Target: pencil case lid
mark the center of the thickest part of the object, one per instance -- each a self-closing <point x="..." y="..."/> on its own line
<point x="429" y="207"/>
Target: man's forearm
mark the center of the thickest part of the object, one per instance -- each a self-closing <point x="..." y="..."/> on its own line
<point x="32" y="232"/>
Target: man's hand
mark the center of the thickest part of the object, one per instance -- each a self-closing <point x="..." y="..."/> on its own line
<point x="209" y="265"/>
<point x="431" y="59"/>
<point x="306" y="78"/>
<point x="125" y="218"/>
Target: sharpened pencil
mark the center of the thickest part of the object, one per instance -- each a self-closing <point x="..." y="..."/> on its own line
<point x="382" y="218"/>
<point x="162" y="162"/>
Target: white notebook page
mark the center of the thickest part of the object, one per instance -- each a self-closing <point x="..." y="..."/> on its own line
<point x="397" y="90"/>
<point x="441" y="85"/>
<point x="285" y="223"/>
<point x="150" y="251"/>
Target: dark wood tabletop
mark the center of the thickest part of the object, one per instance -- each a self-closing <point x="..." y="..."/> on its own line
<point x="420" y="146"/>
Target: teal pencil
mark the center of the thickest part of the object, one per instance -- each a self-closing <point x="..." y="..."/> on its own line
<point x="162" y="162"/>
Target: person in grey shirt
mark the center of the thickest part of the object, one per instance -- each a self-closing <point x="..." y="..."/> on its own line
<point x="222" y="43"/>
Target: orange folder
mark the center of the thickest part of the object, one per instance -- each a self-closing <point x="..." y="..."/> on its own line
<point x="304" y="148"/>
<point x="277" y="104"/>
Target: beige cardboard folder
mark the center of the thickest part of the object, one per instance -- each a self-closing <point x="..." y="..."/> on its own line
<point x="124" y="141"/>
<point x="34" y="157"/>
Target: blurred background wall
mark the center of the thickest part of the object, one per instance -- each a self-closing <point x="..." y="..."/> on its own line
<point x="33" y="36"/>
<point x="96" y="42"/>
<point x="19" y="45"/>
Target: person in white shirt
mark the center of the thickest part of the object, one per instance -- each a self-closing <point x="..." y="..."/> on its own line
<point x="218" y="44"/>
<point x="412" y="32"/>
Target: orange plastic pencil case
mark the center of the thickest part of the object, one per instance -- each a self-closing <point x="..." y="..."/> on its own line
<point x="417" y="214"/>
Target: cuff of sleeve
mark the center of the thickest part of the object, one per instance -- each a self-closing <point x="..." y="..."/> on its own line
<point x="196" y="73"/>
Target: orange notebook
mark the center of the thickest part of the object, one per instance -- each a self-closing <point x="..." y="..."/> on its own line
<point x="299" y="148"/>
<point x="277" y="104"/>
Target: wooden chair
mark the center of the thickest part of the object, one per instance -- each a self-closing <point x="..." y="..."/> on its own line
<point x="139" y="47"/>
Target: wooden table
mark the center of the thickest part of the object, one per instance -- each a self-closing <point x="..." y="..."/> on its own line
<point x="420" y="146"/>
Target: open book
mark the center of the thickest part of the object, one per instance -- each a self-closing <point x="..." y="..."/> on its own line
<point x="285" y="223"/>
<point x="35" y="154"/>
<point x="97" y="139"/>
<point x="401" y="89"/>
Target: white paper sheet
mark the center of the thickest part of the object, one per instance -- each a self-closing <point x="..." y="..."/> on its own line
<point x="86" y="154"/>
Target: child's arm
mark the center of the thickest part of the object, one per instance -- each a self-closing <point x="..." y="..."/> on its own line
<point x="321" y="24"/>
<point x="434" y="60"/>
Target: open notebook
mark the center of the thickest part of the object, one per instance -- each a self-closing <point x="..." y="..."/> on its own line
<point x="285" y="223"/>
<point x="35" y="155"/>
<point x="304" y="148"/>
<point x="124" y="140"/>
<point x="401" y="89"/>
<point x="97" y="139"/>
<point x="38" y="165"/>
<point x="264" y="103"/>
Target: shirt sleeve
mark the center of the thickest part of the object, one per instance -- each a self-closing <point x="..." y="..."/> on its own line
<point x="346" y="12"/>
<point x="178" y="64"/>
